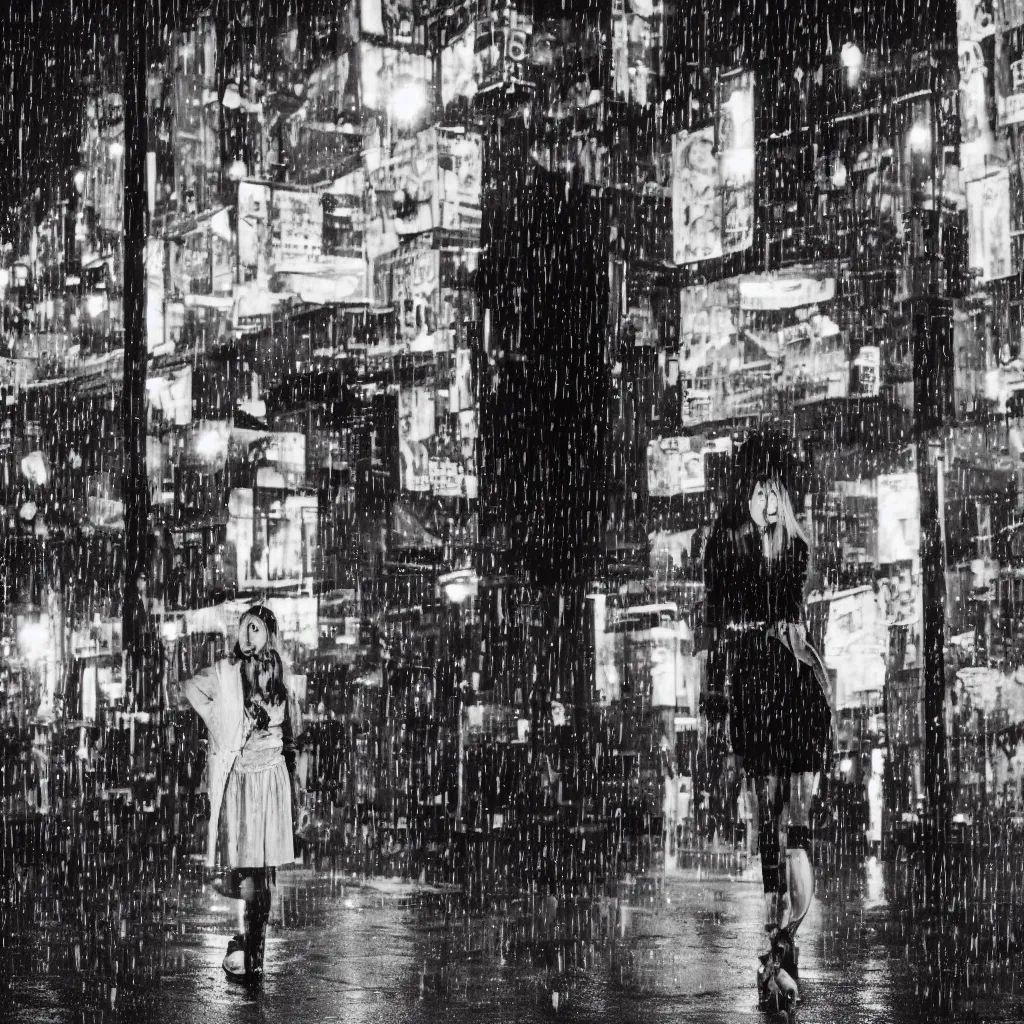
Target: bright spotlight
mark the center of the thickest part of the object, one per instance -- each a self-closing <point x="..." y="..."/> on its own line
<point x="920" y="137"/>
<point x="34" y="640"/>
<point x="211" y="444"/>
<point x="408" y="101"/>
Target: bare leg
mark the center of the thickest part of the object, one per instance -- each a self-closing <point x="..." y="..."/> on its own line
<point x="800" y="870"/>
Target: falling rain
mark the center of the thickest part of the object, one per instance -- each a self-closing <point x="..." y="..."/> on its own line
<point x="511" y="510"/>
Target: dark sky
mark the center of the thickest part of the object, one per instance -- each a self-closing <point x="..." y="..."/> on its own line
<point x="40" y="74"/>
<point x="49" y="50"/>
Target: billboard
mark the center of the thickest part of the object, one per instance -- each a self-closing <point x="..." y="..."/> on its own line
<point x="644" y="652"/>
<point x="713" y="178"/>
<point x="274" y="538"/>
<point x="283" y="240"/>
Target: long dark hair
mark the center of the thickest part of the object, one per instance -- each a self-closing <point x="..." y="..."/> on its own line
<point x="766" y="457"/>
<point x="266" y="669"/>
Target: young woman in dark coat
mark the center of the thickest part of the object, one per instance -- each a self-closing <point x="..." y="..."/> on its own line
<point x="780" y="720"/>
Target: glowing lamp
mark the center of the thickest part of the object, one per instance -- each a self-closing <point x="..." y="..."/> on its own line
<point x="920" y="137"/>
<point x="460" y="586"/>
<point x="34" y="640"/>
<point x="408" y="101"/>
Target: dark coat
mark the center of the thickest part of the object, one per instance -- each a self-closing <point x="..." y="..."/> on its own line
<point x="780" y="719"/>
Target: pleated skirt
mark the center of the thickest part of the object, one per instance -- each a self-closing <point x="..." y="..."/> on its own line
<point x="257" y="817"/>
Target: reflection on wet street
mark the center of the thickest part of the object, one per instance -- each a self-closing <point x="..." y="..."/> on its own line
<point x="659" y="946"/>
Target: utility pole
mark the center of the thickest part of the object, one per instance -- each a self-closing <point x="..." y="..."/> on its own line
<point x="932" y="328"/>
<point x="133" y="31"/>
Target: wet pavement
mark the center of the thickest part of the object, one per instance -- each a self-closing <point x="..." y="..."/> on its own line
<point x="676" y="946"/>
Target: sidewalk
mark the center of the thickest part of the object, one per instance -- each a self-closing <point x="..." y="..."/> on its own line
<point x="673" y="947"/>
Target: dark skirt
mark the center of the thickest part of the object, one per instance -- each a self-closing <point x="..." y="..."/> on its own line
<point x="779" y="718"/>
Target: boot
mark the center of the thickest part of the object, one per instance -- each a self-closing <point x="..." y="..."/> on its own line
<point x="234" y="959"/>
<point x="257" y="914"/>
<point x="777" y="976"/>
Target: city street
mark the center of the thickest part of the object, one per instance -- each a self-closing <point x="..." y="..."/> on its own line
<point x="665" y="948"/>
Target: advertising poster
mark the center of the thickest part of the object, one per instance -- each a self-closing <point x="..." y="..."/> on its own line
<point x="501" y="46"/>
<point x="281" y="239"/>
<point x="460" y="172"/>
<point x="736" y="160"/>
<point x="674" y="466"/>
<point x="988" y="225"/>
<point x="410" y="281"/>
<point x="696" y="205"/>
<point x="976" y="48"/>
<point x="391" y="19"/>
<point x="279" y="458"/>
<point x="856" y="644"/>
<point x="1009" y="14"/>
<point x="898" y="509"/>
<point x="344" y="228"/>
<point x="759" y="343"/>
<point x="416" y="425"/>
<point x="274" y="538"/>
<point x="642" y="653"/>
<point x="457" y="73"/>
<point x="635" y="38"/>
<point x="408" y="181"/>
<point x="1010" y="79"/>
<point x="461" y="395"/>
<point x="202" y="262"/>
<point x="253" y="226"/>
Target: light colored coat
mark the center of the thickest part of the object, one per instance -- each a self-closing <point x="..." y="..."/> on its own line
<point x="216" y="694"/>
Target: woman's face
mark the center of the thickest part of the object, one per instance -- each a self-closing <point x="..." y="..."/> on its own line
<point x="764" y="504"/>
<point x="252" y="635"/>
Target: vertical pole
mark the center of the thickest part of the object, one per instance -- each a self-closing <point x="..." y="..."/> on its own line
<point x="933" y="588"/>
<point x="133" y="31"/>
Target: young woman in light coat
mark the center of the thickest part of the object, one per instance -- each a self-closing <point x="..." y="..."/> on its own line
<point x="250" y="771"/>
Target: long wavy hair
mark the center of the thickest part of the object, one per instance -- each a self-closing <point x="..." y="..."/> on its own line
<point x="263" y="671"/>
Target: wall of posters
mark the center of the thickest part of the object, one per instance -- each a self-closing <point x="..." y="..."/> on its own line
<point x="432" y="180"/>
<point x="758" y="344"/>
<point x="988" y="224"/>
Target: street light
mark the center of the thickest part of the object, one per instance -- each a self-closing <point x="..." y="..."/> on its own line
<point x="408" y="100"/>
<point x="920" y="137"/>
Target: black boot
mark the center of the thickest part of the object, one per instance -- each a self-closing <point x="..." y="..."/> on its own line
<point x="257" y="914"/>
